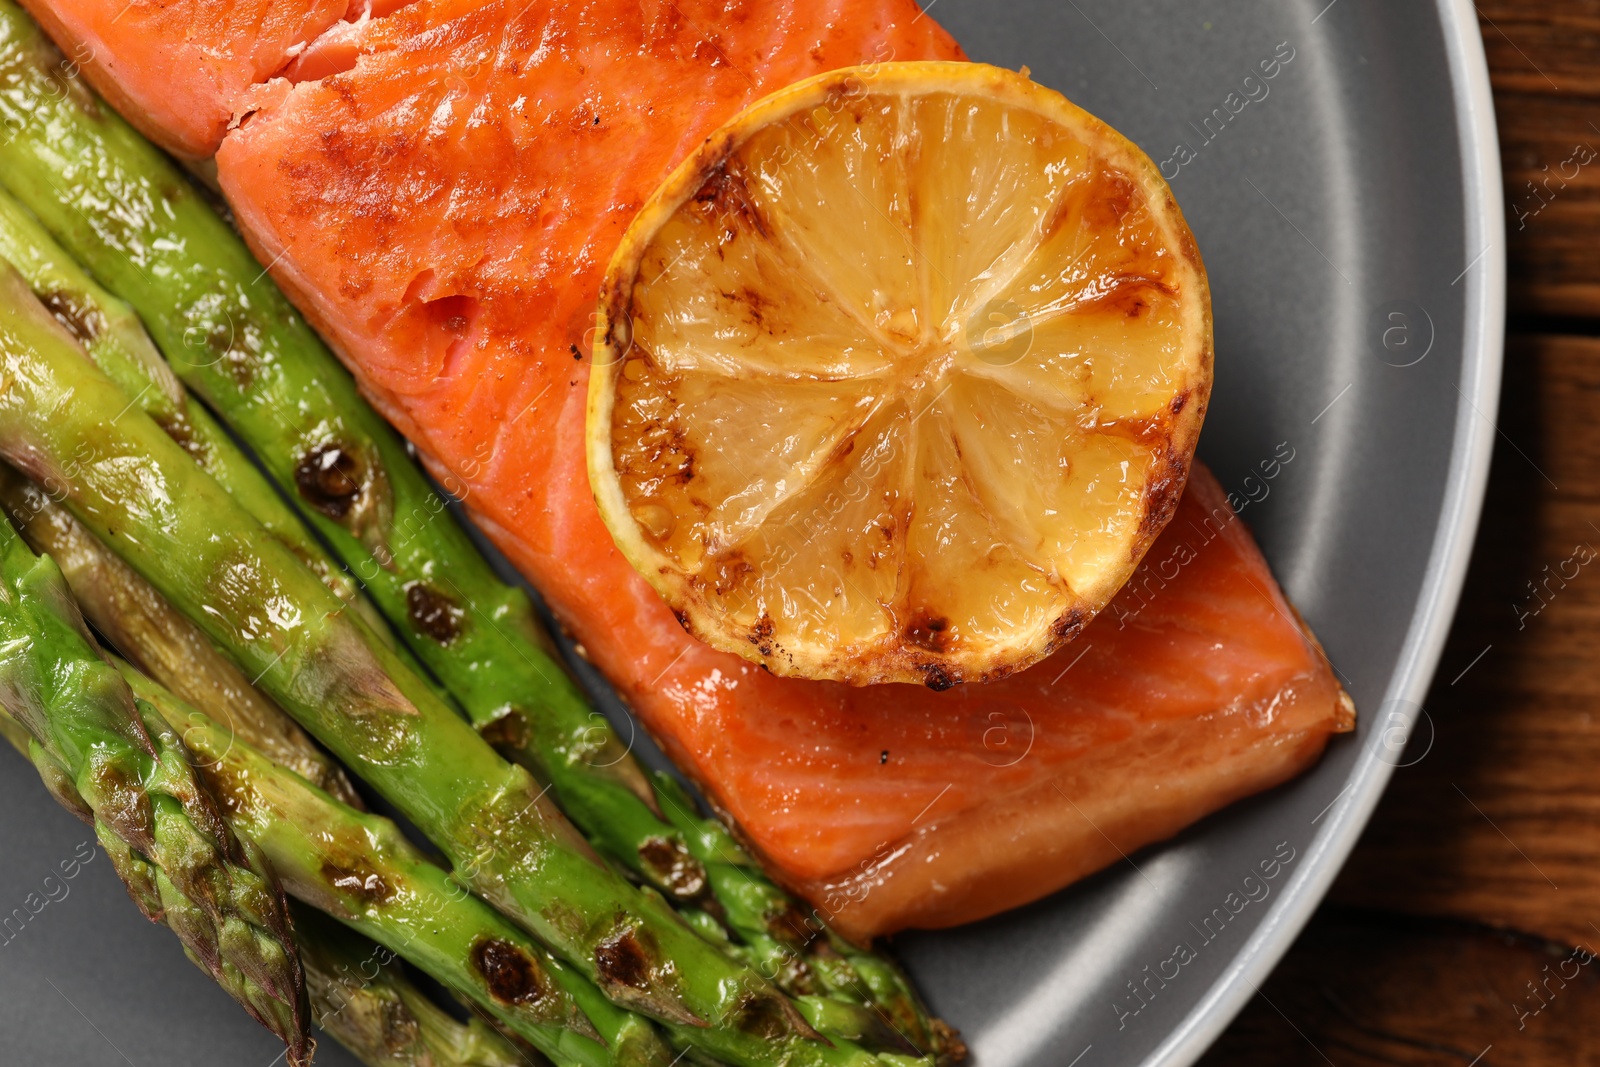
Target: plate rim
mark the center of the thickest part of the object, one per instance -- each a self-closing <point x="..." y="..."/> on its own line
<point x="1483" y="346"/>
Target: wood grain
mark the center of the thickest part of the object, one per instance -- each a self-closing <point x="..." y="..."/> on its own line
<point x="1544" y="64"/>
<point x="1365" y="990"/>
<point x="1481" y="869"/>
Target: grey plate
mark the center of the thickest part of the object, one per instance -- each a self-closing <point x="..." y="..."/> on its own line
<point x="1362" y="186"/>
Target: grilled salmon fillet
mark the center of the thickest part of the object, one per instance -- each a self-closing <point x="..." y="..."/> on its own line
<point x="440" y="186"/>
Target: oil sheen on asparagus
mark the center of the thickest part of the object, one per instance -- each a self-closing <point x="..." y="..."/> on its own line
<point x="111" y="332"/>
<point x="115" y="763"/>
<point x="157" y="638"/>
<point x="361" y="870"/>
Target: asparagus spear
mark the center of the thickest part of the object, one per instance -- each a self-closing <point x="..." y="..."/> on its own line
<point x="236" y="342"/>
<point x="361" y="870"/>
<point x="356" y="993"/>
<point x="360" y="996"/>
<point x="784" y="940"/>
<point x="129" y="483"/>
<point x="115" y="762"/>
<point x="164" y="644"/>
<point x="111" y="333"/>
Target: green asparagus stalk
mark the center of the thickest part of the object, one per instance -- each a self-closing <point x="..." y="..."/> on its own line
<point x="361" y="998"/>
<point x="234" y="340"/>
<point x="356" y="992"/>
<point x="159" y="640"/>
<point x="63" y="421"/>
<point x="111" y="333"/>
<point x="129" y="774"/>
<point x="361" y="870"/>
<point x="798" y="948"/>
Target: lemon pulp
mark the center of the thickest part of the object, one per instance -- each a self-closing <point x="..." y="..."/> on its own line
<point x="899" y="376"/>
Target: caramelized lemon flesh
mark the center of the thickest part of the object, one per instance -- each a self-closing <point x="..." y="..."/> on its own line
<point x="899" y="375"/>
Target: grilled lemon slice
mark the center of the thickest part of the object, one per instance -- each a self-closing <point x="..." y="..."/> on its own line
<point x="899" y="375"/>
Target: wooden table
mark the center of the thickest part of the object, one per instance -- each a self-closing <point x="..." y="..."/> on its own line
<point x="1461" y="930"/>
